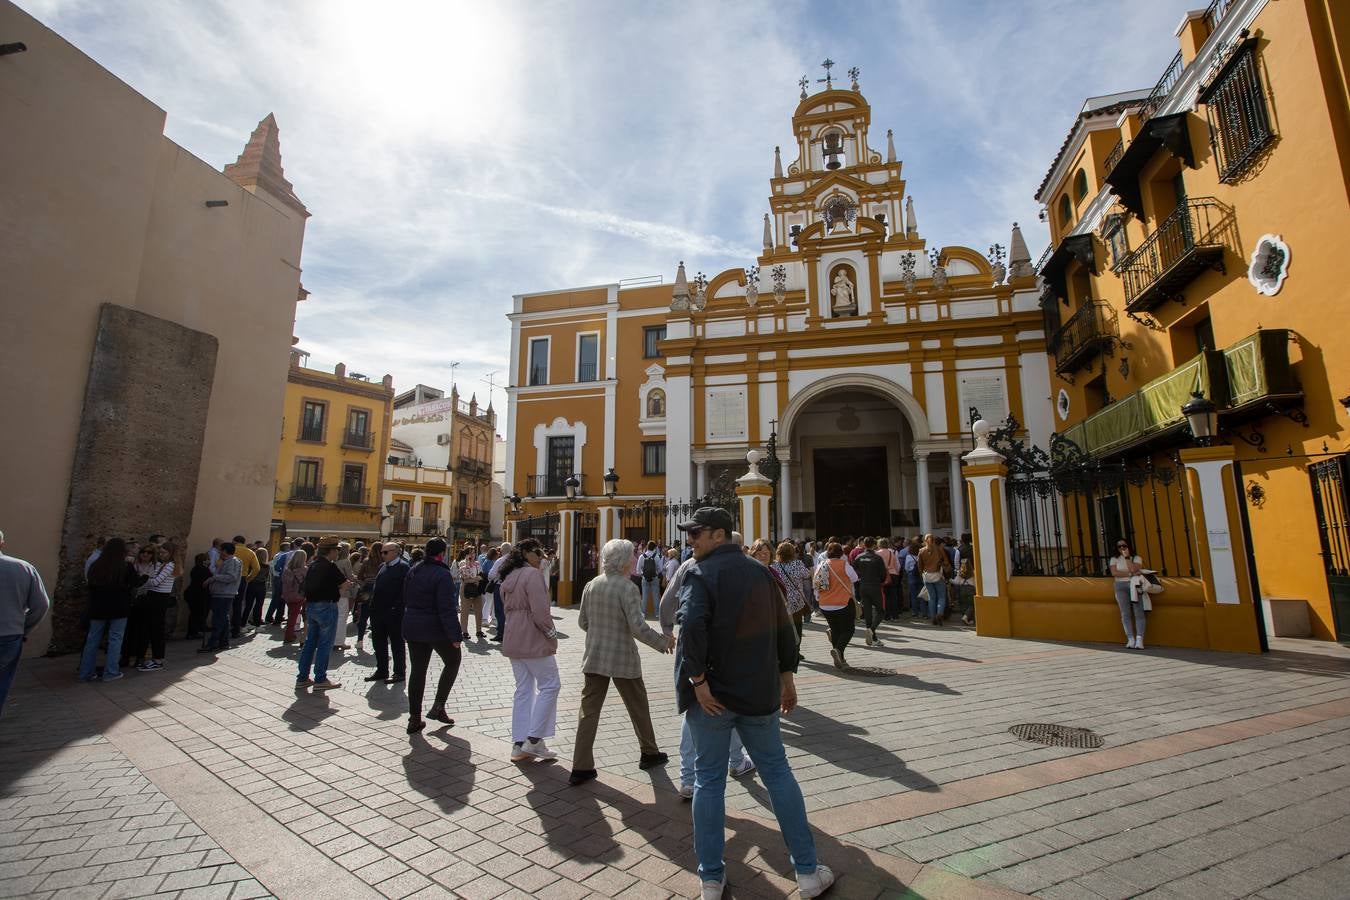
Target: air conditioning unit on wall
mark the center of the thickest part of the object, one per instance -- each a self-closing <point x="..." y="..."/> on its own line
<point x="443" y="440"/>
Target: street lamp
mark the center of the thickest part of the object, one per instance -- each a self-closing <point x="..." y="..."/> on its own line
<point x="570" y="486"/>
<point x="611" y="480"/>
<point x="390" y="509"/>
<point x="1203" y="418"/>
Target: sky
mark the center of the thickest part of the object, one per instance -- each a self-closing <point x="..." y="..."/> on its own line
<point x="453" y="154"/>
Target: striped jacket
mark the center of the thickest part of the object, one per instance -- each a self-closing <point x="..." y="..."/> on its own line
<point x="611" y="616"/>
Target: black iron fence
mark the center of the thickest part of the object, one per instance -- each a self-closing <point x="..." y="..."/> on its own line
<point x="543" y="528"/>
<point x="1067" y="511"/>
<point x="585" y="550"/>
<point x="553" y="484"/>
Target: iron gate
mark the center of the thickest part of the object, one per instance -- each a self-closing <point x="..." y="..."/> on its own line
<point x="1067" y="510"/>
<point x="543" y="528"/>
<point x="585" y="553"/>
<point x="1329" y="478"/>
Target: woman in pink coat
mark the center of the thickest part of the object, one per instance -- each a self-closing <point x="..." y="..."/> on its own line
<point x="531" y="643"/>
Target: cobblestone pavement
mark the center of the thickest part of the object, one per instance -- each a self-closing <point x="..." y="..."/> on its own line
<point x="1219" y="777"/>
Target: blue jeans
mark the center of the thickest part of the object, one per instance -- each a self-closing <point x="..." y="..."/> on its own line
<point x="219" y="636"/>
<point x="712" y="744"/>
<point x="277" y="610"/>
<point x="11" y="648"/>
<point x="917" y="607"/>
<point x="937" y="597"/>
<point x="651" y="589"/>
<point x="736" y="755"/>
<point x="320" y="632"/>
<point x="116" y="629"/>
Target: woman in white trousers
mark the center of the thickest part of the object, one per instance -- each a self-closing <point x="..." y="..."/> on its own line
<point x="531" y="643"/>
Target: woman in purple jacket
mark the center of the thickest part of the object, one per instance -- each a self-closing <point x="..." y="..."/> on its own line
<point x="531" y="644"/>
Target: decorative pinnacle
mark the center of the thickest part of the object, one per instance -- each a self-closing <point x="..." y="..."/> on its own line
<point x="804" y="82"/>
<point x="853" y="74"/>
<point x="827" y="65"/>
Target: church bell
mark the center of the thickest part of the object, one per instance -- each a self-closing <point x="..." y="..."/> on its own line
<point x="833" y="149"/>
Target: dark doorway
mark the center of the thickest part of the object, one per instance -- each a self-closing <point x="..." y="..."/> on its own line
<point x="852" y="492"/>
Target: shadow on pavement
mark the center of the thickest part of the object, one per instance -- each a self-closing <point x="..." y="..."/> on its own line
<point x="841" y="744"/>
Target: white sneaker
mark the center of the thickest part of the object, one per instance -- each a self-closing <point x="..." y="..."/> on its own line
<point x="815" y="884"/>
<point x="869" y="637"/>
<point x="1129" y="644"/>
<point x="1139" y="643"/>
<point x="712" y="890"/>
<point x="538" y="750"/>
<point x="687" y="791"/>
<point x="748" y="765"/>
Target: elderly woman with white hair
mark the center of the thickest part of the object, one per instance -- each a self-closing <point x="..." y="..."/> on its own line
<point x="611" y="616"/>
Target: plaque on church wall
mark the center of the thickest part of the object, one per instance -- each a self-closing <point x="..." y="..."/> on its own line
<point x="985" y="393"/>
<point x="726" y="414"/>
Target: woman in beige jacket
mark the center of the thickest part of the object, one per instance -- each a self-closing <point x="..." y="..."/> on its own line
<point x="531" y="643"/>
<point x="611" y="616"/>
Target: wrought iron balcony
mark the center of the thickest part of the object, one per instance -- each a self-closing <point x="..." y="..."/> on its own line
<point x="401" y="525"/>
<point x="308" y="493"/>
<point x="358" y="440"/>
<point x="475" y="468"/>
<point x="1089" y="331"/>
<point x="470" y="516"/>
<point x="433" y="526"/>
<point x="1113" y="158"/>
<point x="552" y="485"/>
<point x="354" y="496"/>
<point x="311" y="433"/>
<point x="1193" y="238"/>
<point x="1162" y="89"/>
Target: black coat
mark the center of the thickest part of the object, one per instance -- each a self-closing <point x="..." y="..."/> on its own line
<point x="387" y="596"/>
<point x="431" y="604"/>
<point x="113" y="600"/>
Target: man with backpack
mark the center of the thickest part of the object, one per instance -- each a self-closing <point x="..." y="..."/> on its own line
<point x="649" y="567"/>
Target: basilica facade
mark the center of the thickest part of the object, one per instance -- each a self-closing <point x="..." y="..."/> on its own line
<point x="852" y="343"/>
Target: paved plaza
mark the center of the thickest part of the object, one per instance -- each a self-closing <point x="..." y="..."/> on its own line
<point x="1220" y="776"/>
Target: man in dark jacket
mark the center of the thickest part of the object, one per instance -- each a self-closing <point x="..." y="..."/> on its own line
<point x="871" y="569"/>
<point x="733" y="670"/>
<point x="431" y="622"/>
<point x="386" y="615"/>
<point x="322" y="583"/>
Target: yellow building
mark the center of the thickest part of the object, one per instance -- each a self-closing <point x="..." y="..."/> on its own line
<point x="853" y="343"/>
<point x="438" y="475"/>
<point x="1196" y="231"/>
<point x="334" y="443"/>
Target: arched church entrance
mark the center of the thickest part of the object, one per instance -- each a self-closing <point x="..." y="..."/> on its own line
<point x="855" y="466"/>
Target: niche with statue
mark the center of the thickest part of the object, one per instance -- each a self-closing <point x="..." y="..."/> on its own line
<point x="843" y="291"/>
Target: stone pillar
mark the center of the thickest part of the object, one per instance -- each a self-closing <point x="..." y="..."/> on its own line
<point x="701" y="480"/>
<point x="984" y="476"/>
<point x="1216" y="522"/>
<point x="609" y="528"/>
<point x="509" y="527"/>
<point x="925" y="491"/>
<point x="754" y="492"/>
<point x="785" y="501"/>
<point x="958" y="497"/>
<point x="567" y="529"/>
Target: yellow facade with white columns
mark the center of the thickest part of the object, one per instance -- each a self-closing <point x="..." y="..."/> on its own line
<point x="851" y="338"/>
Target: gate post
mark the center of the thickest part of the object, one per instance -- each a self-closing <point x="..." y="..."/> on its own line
<point x="608" y="528"/>
<point x="754" y="492"/>
<point x="1230" y="619"/>
<point x="567" y="535"/>
<point x="985" y="476"/>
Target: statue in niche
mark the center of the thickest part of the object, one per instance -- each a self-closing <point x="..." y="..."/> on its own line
<point x="656" y="404"/>
<point x="845" y="303"/>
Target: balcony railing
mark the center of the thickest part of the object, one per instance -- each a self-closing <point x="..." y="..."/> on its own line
<point x="401" y="525"/>
<point x="354" y="496"/>
<point x="308" y="493"/>
<point x="1216" y="12"/>
<point x="433" y="526"/>
<point x="1114" y="156"/>
<point x="1040" y="263"/>
<point x="1093" y="328"/>
<point x="1158" y="95"/>
<point x="415" y="474"/>
<point x="588" y="372"/>
<point x="476" y="468"/>
<point x="311" y="432"/>
<point x="471" y="516"/>
<point x="551" y="485"/>
<point x="1193" y="238"/>
<point x="358" y="440"/>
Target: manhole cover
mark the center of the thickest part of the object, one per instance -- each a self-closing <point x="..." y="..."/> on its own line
<point x="871" y="671"/>
<point x="1058" y="735"/>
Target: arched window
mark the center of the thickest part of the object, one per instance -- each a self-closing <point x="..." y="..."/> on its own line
<point x="1065" y="211"/>
<point x="1080" y="187"/>
<point x="656" y="404"/>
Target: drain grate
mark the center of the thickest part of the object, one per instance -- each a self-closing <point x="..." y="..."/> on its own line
<point x="1058" y="735"/>
<point x="871" y="671"/>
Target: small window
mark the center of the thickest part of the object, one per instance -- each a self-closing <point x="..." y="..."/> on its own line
<point x="353" y="485"/>
<point x="588" y="357"/>
<point x="653" y="457"/>
<point x="358" y="429"/>
<point x="312" y="420"/>
<point x="307" y="485"/>
<point x="1080" y="185"/>
<point x="1239" y="123"/>
<point x="652" y="336"/>
<point x="1204" y="335"/>
<point x="1065" y="211"/>
<point x="538" y="361"/>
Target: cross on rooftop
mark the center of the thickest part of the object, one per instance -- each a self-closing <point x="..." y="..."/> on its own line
<point x="827" y="65"/>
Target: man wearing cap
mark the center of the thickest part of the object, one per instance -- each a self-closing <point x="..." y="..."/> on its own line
<point x="323" y="582"/>
<point x="733" y="670"/>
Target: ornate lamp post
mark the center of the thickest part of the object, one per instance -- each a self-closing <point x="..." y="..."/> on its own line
<point x="514" y="500"/>
<point x="1203" y="418"/>
<point x="771" y="467"/>
<point x="570" y="486"/>
<point x="611" y="481"/>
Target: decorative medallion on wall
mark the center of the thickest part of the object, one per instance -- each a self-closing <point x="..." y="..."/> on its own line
<point x="1062" y="405"/>
<point x="848" y="419"/>
<point x="1270" y="265"/>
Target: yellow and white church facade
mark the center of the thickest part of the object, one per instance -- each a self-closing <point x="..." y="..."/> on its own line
<point x="853" y="342"/>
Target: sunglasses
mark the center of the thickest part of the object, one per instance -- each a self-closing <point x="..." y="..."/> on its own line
<point x="695" y="532"/>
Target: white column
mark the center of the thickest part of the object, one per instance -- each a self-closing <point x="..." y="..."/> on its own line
<point x="925" y="491"/>
<point x="958" y="492"/>
<point x="702" y="469"/>
<point x="785" y="502"/>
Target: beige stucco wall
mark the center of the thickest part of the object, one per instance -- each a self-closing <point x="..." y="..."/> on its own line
<point x="97" y="206"/>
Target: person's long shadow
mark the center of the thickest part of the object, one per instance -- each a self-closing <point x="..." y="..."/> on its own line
<point x="442" y="774"/>
<point x="308" y="710"/>
<point x="573" y="820"/>
<point x="899" y="679"/>
<point x="842" y="744"/>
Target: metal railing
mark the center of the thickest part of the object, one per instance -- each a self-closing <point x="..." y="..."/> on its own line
<point x="1239" y="123"/>
<point x="1216" y="12"/>
<point x="401" y="525"/>
<point x="354" y="496"/>
<point x="475" y="467"/>
<point x="308" y="493"/>
<point x="588" y="372"/>
<point x="311" y="432"/>
<point x="1170" y="76"/>
<point x="1192" y="238"/>
<point x="1040" y="263"/>
<point x="433" y="526"/>
<point x="552" y="485"/>
<point x="473" y="516"/>
<point x="360" y="440"/>
<point x="1113" y="158"/>
<point x="1093" y="326"/>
